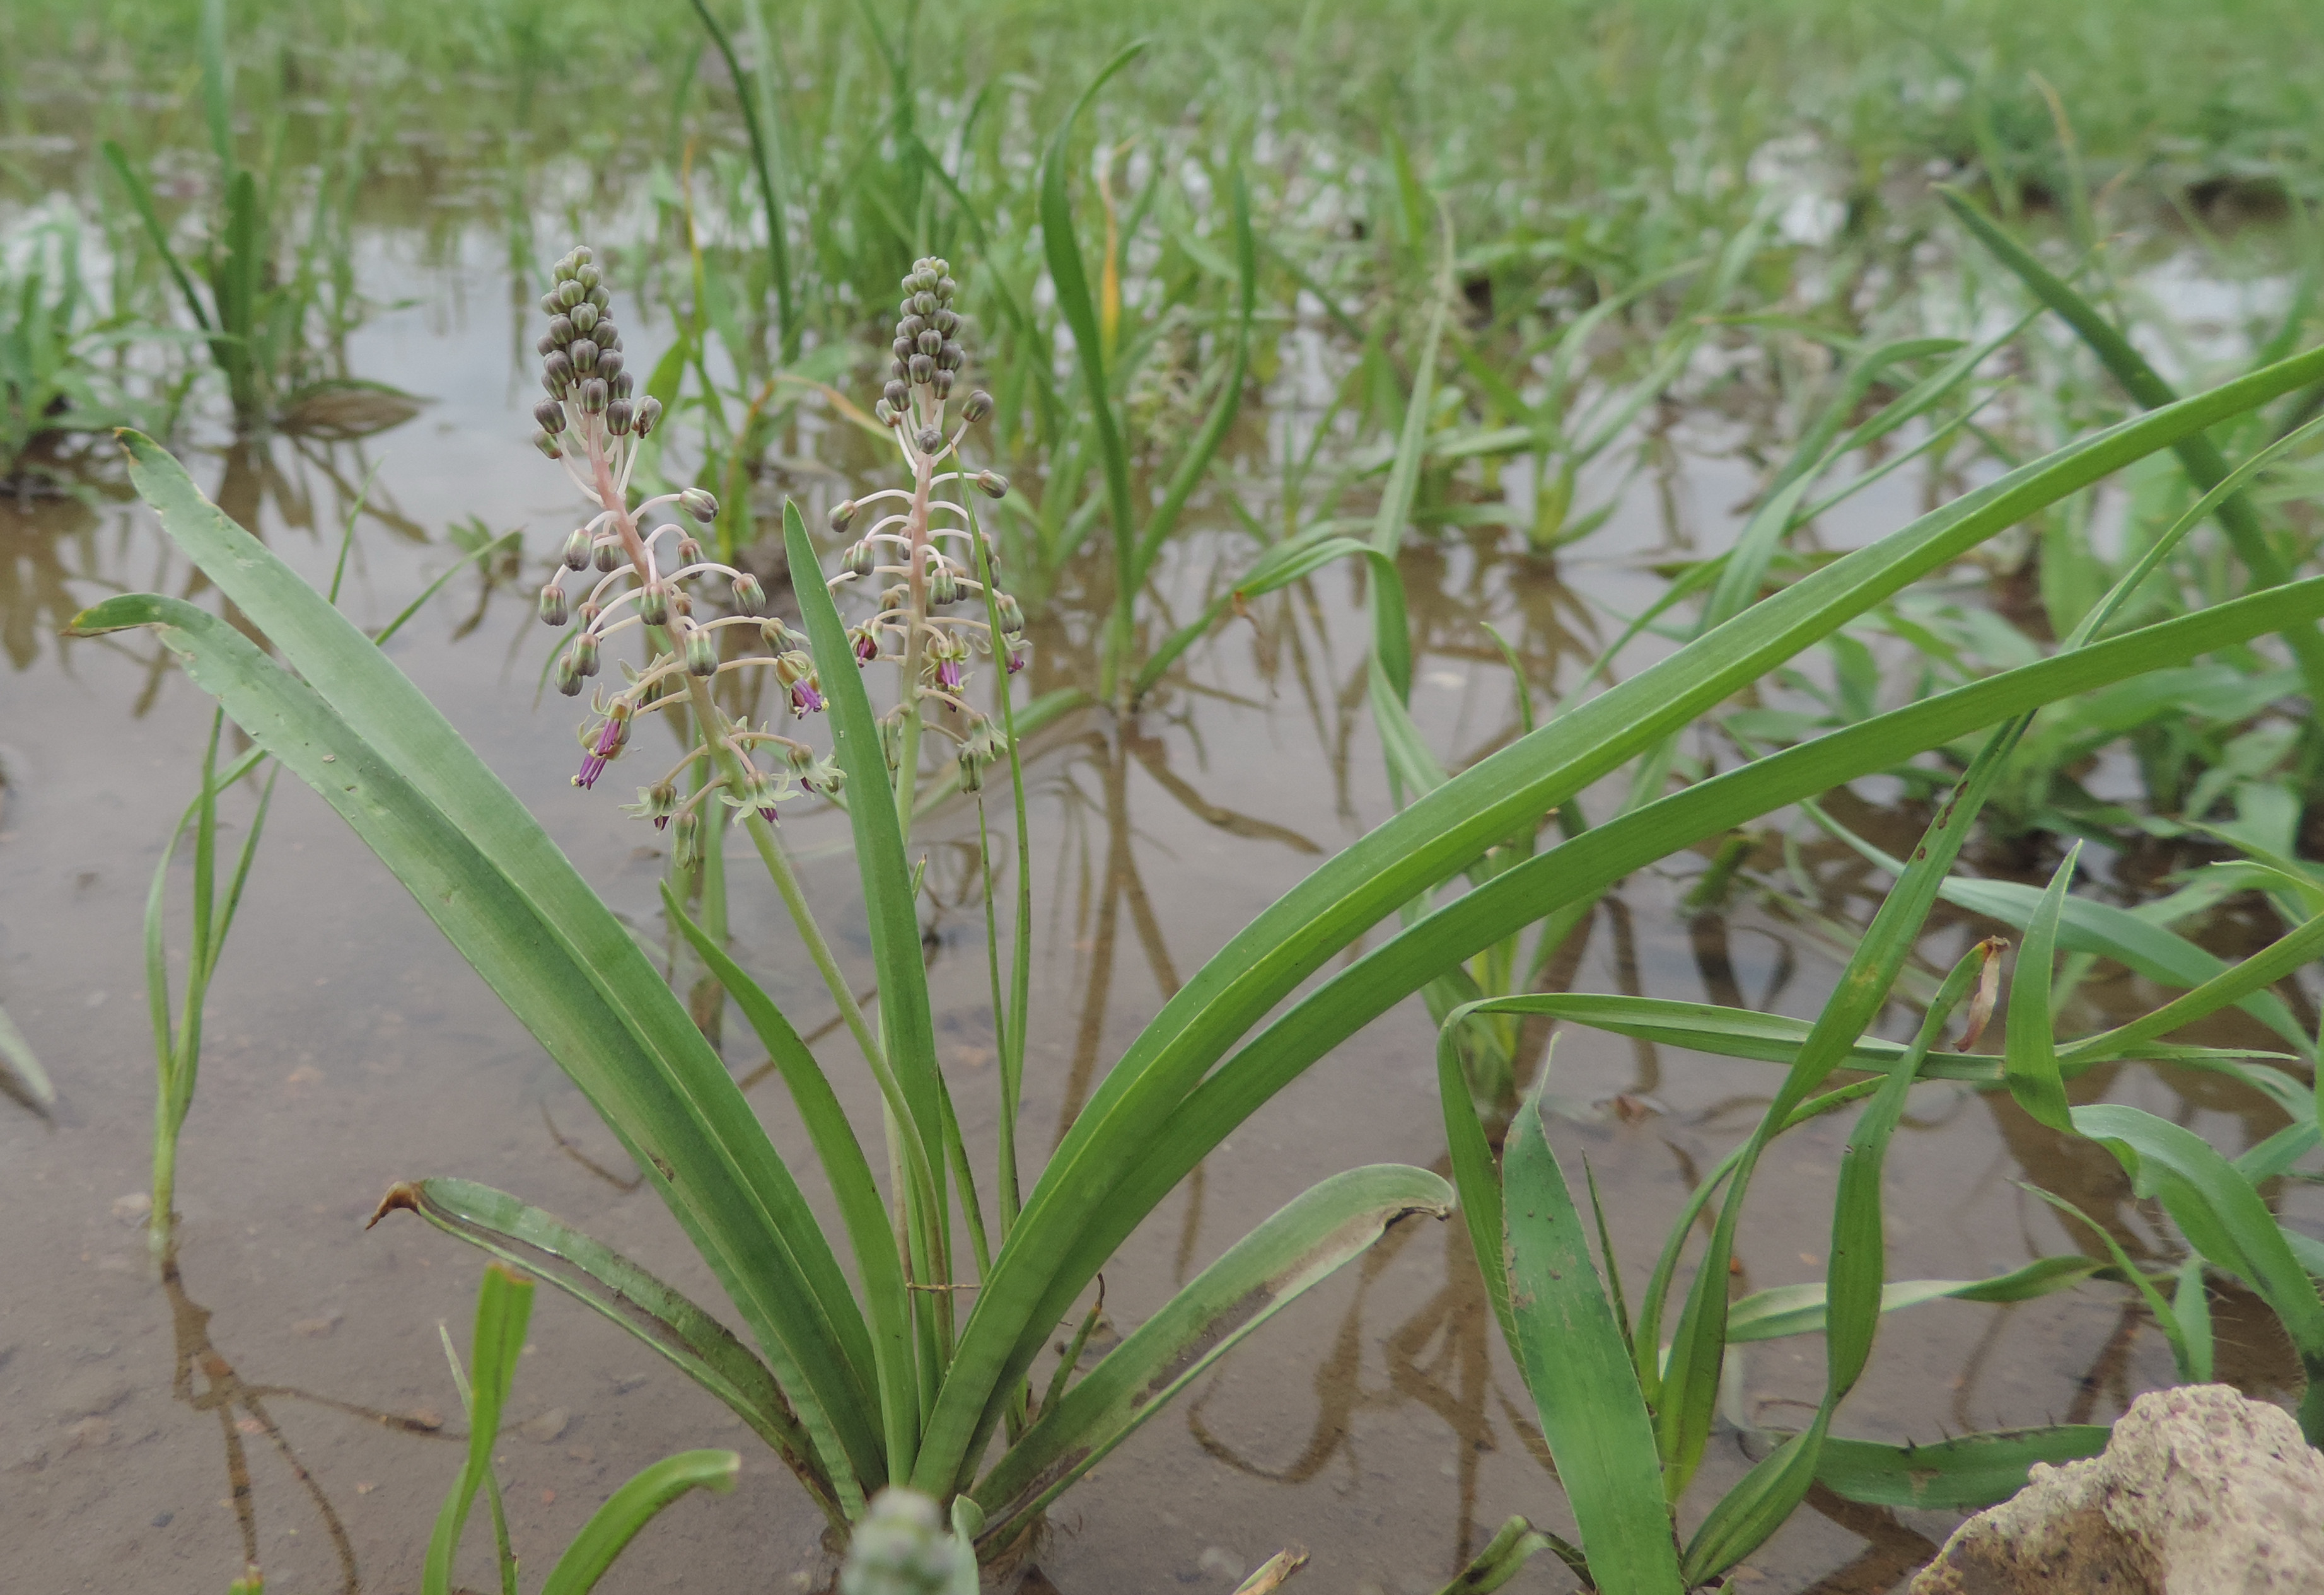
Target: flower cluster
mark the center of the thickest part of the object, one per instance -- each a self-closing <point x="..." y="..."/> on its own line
<point x="646" y="569"/>
<point x="923" y="551"/>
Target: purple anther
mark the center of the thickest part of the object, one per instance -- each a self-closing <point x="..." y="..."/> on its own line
<point x="949" y="673"/>
<point x="767" y="815"/>
<point x="805" y="699"/>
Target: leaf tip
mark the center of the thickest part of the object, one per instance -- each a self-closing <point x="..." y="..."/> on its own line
<point x="403" y="1194"/>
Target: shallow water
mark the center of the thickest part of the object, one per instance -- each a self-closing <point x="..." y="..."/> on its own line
<point x="282" y="1395"/>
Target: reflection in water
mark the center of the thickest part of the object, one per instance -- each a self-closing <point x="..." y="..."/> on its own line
<point x="223" y="1392"/>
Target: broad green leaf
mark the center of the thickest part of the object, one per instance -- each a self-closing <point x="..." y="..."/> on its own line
<point x="1578" y="1368"/>
<point x="1961" y="1474"/>
<point x="1301" y="1244"/>
<point x="611" y="1285"/>
<point x="612" y="1526"/>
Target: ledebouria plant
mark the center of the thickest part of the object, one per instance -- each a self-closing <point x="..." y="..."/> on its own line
<point x="650" y="574"/>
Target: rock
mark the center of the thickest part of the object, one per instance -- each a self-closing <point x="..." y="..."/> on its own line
<point x="2200" y="1493"/>
<point x="546" y="1427"/>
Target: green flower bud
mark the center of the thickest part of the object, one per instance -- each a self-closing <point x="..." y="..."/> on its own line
<point x="886" y="413"/>
<point x="654" y="604"/>
<point x="596" y="395"/>
<point x="618" y="416"/>
<point x="944" y="586"/>
<point x="569" y="676"/>
<point x="992" y="483"/>
<point x="930" y="440"/>
<point x="841" y="514"/>
<point x="1012" y="618"/>
<point x="979" y="406"/>
<point x="551" y="305"/>
<point x="576" y="550"/>
<point x="548" y="446"/>
<point x="698" y="503"/>
<point x="700" y="653"/>
<point x="556" y="374"/>
<point x="922" y="367"/>
<point x="552" y="604"/>
<point x="896" y="394"/>
<point x="607" y="556"/>
<point x="946" y="322"/>
<point x="859" y="561"/>
<point x="583" y="355"/>
<point x="599" y="297"/>
<point x="569" y="294"/>
<point x="550" y="414"/>
<point x="749" y="597"/>
<point x="587" y="276"/>
<point x="563" y="330"/>
<point x="648" y="414"/>
<point x="585" y="653"/>
<point x="689" y="839"/>
<point x="609" y="362"/>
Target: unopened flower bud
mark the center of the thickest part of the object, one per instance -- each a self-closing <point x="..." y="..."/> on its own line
<point x="945" y="287"/>
<point x="584" y="316"/>
<point x="608" y="556"/>
<point x="548" y="446"/>
<point x="922" y="367"/>
<point x="583" y="355"/>
<point x="904" y="345"/>
<point x="564" y="329"/>
<point x="551" y="305"/>
<point x="576" y="550"/>
<point x="950" y="356"/>
<point x="595" y="394"/>
<point x="992" y="483"/>
<point x="972" y="772"/>
<point x="690" y="552"/>
<point x="700" y="653"/>
<point x="892" y="743"/>
<point x="648" y="414"/>
<point x="841" y="514"/>
<point x="885" y="412"/>
<point x="569" y="676"/>
<point x="749" y="597"/>
<point x="699" y="503"/>
<point x="929" y="342"/>
<point x="924" y="305"/>
<point x="941" y="383"/>
<point x="545" y="345"/>
<point x="587" y="275"/>
<point x="618" y="416"/>
<point x="1013" y="617"/>
<point x="944" y="586"/>
<point x="600" y="298"/>
<point x="556" y="374"/>
<point x="609" y="362"/>
<point x="624" y="385"/>
<point x="550" y="414"/>
<point x="911" y="328"/>
<point x="653" y="603"/>
<point x="858" y="559"/>
<point x="946" y="322"/>
<point x="552" y="604"/>
<point x="569" y="294"/>
<point x="605" y="335"/>
<point x="930" y="439"/>
<point x="896" y="393"/>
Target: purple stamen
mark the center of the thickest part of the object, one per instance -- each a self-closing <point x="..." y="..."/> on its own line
<point x="867" y="647"/>
<point x="662" y="822"/>
<point x="948" y="674"/>
<point x="591" y="766"/>
<point x="805" y="699"/>
<point x="767" y="815"/>
<point x="1016" y="660"/>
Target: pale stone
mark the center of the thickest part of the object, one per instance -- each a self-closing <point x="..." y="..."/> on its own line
<point x="2200" y="1493"/>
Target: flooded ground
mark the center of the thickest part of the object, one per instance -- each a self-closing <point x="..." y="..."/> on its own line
<point x="281" y="1394"/>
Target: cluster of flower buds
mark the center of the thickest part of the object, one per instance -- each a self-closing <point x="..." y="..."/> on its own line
<point x="649" y="571"/>
<point x="920" y="556"/>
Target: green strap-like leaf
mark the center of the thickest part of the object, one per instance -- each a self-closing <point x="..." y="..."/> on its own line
<point x="1303" y="1243"/>
<point x="612" y="1526"/>
<point x="693" y="1134"/>
<point x="1799" y="1309"/>
<point x="2031" y="1051"/>
<point x="609" y="1283"/>
<point x="1029" y="1292"/>
<point x="1578" y="1367"/>
<point x="2223" y="1218"/>
<point x="1961" y="1474"/>
<point x="504" y="1307"/>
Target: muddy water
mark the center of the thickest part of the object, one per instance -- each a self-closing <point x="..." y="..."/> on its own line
<point x="280" y="1393"/>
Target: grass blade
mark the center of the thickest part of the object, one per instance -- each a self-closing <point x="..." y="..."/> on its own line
<point x="1958" y="1475"/>
<point x="504" y="1307"/>
<point x="612" y="1526"/>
